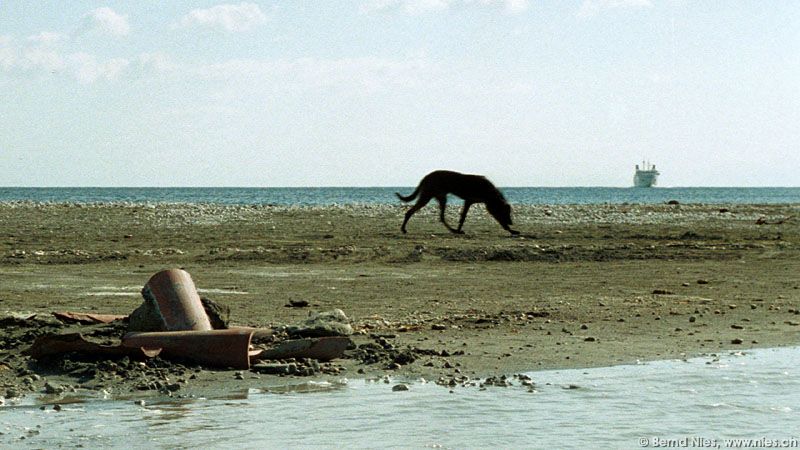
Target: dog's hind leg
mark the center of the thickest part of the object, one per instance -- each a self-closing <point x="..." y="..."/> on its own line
<point x="442" y="205"/>
<point x="421" y="202"/>
<point x="464" y="211"/>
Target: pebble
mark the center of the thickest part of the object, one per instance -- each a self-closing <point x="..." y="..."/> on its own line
<point x="400" y="387"/>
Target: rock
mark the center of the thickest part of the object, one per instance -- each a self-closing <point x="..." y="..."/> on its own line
<point x="702" y="281"/>
<point x="400" y="387"/>
<point x="146" y="317"/>
<point x="53" y="388"/>
<point x="218" y="314"/>
<point x="270" y="368"/>
<point x="297" y="304"/>
<point x="662" y="292"/>
<point x="438" y="327"/>
<point x="328" y="323"/>
<point x="736" y="341"/>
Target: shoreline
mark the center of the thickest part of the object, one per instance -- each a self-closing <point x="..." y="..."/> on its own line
<point x="585" y="286"/>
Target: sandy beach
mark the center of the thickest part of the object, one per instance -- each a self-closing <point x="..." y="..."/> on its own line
<point x="582" y="286"/>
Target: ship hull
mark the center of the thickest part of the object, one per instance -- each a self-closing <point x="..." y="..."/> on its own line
<point x="645" y="178"/>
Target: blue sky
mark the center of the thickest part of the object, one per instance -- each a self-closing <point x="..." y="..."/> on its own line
<point x="379" y="92"/>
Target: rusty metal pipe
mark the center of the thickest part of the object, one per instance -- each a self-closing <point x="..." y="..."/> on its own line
<point x="178" y="302"/>
<point x="218" y="348"/>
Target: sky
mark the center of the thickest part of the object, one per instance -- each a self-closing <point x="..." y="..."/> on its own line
<point x="380" y="92"/>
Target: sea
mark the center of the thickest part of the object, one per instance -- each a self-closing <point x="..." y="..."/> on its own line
<point x="385" y="195"/>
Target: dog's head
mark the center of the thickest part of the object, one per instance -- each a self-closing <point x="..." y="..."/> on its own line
<point x="501" y="211"/>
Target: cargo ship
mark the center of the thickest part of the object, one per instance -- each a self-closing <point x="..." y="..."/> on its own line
<point x="646" y="176"/>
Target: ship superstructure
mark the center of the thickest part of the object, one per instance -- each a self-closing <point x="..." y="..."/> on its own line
<point x="646" y="175"/>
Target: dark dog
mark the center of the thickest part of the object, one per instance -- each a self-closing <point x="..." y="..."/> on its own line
<point x="472" y="188"/>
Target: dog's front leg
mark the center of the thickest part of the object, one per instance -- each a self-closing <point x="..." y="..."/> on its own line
<point x="442" y="206"/>
<point x="464" y="211"/>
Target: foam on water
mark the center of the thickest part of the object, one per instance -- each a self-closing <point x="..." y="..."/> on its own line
<point x="753" y="395"/>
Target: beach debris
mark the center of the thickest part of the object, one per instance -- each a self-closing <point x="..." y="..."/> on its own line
<point x="171" y="303"/>
<point x="320" y="324"/>
<point x="321" y="349"/>
<point x="216" y="348"/>
<point x="177" y="325"/>
<point x="87" y="318"/>
<point x="58" y="344"/>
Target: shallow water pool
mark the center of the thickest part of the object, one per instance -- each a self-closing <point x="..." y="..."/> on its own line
<point x="698" y="403"/>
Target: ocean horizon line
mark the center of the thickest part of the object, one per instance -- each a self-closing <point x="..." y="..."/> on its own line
<point x="393" y="187"/>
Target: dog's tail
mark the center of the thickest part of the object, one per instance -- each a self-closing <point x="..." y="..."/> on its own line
<point x="410" y="197"/>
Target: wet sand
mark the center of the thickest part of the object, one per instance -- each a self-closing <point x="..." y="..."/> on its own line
<point x="582" y="286"/>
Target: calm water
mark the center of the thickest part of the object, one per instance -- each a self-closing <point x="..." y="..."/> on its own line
<point x="752" y="396"/>
<point x="385" y="195"/>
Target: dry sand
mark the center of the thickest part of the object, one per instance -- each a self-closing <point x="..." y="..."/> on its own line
<point x="583" y="286"/>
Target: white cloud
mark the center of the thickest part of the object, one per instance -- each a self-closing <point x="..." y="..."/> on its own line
<point x="87" y="69"/>
<point x="8" y="55"/>
<point x="107" y="21"/>
<point x="233" y="18"/>
<point x="46" y="37"/>
<point x="510" y="6"/>
<point x="590" y="8"/>
<point x="42" y="58"/>
<point x="415" y="7"/>
<point x="364" y="75"/>
<point x="39" y="58"/>
<point x="157" y="61"/>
